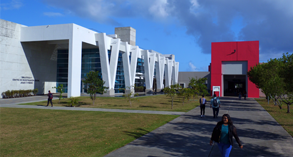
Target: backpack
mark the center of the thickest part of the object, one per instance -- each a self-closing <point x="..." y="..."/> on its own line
<point x="201" y="101"/>
<point x="215" y="103"/>
<point x="51" y="96"/>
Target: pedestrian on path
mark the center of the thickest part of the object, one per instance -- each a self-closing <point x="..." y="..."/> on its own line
<point x="50" y="97"/>
<point x="202" y="102"/>
<point x="223" y="134"/>
<point x="215" y="104"/>
<point x="240" y="94"/>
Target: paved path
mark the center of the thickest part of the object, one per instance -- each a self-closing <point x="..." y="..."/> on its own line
<point x="13" y="103"/>
<point x="189" y="135"/>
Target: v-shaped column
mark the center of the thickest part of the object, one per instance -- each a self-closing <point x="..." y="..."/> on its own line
<point x="109" y="67"/>
<point x="129" y="67"/>
<point x="168" y="72"/>
<point x="149" y="66"/>
<point x="175" y="71"/>
<point x="160" y="72"/>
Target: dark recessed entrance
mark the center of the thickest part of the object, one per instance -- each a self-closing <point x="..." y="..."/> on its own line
<point x="233" y="84"/>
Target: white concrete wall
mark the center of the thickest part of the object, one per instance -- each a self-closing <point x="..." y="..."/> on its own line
<point x="13" y="63"/>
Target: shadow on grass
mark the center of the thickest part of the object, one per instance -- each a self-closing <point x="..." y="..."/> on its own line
<point x="148" y="106"/>
<point x="138" y="133"/>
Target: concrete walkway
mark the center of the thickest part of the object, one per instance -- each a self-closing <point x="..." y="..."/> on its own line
<point x="189" y="135"/>
<point x="13" y="103"/>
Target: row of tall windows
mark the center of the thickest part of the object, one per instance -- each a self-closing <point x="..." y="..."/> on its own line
<point x="90" y="62"/>
<point x="120" y="81"/>
<point x="140" y="81"/>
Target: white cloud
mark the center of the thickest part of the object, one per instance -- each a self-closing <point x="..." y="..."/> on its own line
<point x="158" y="8"/>
<point x="207" y="20"/>
<point x="105" y="11"/>
<point x="192" y="67"/>
<point x="51" y="14"/>
<point x="14" y="4"/>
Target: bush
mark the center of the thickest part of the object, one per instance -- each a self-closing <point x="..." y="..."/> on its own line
<point x="35" y="91"/>
<point x="73" y="101"/>
<point x="18" y="93"/>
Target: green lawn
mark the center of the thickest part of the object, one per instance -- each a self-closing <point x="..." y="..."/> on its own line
<point x="281" y="116"/>
<point x="33" y="132"/>
<point x="157" y="103"/>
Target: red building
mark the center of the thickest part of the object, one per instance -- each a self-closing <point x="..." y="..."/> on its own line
<point x="230" y="63"/>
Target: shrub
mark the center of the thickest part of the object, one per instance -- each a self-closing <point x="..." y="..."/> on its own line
<point x="35" y="91"/>
<point x="73" y="101"/>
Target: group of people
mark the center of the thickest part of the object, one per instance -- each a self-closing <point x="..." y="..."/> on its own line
<point x="224" y="131"/>
<point x="215" y="104"/>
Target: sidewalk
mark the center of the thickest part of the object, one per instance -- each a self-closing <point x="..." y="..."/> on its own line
<point x="13" y="103"/>
<point x="189" y="135"/>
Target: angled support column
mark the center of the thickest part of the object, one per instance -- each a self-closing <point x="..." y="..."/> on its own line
<point x="149" y="65"/>
<point x="74" y="67"/>
<point x="135" y="52"/>
<point x="176" y="72"/>
<point x="114" y="61"/>
<point x="104" y="46"/>
<point x="160" y="72"/>
<point x="126" y="67"/>
<point x="168" y="72"/>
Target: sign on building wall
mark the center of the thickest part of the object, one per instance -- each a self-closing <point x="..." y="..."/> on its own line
<point x="25" y="80"/>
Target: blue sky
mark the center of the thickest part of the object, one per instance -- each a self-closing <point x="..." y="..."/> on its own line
<point x="184" y="28"/>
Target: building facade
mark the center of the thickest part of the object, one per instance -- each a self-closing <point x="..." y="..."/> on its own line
<point x="229" y="66"/>
<point x="45" y="56"/>
<point x="185" y="77"/>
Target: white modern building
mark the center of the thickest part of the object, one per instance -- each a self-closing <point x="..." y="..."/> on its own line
<point x="45" y="56"/>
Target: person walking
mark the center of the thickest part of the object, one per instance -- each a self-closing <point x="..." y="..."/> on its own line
<point x="244" y="94"/>
<point x="50" y="97"/>
<point x="202" y="102"/>
<point x="239" y="95"/>
<point x="215" y="104"/>
<point x="223" y="134"/>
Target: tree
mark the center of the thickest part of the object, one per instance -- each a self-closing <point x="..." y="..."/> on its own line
<point x="191" y="84"/>
<point x="60" y="90"/>
<point x="286" y="72"/>
<point x="198" y="86"/>
<point x="185" y="93"/>
<point x="129" y="96"/>
<point x="95" y="84"/>
<point x="171" y="92"/>
<point x="275" y="79"/>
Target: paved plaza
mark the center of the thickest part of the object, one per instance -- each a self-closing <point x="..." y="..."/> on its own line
<point x="189" y="135"/>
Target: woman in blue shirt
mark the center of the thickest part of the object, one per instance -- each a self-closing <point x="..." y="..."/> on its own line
<point x="223" y="133"/>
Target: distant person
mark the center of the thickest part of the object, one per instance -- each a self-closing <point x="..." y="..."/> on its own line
<point x="239" y="94"/>
<point x="202" y="102"/>
<point x="223" y="134"/>
<point x="50" y="97"/>
<point x="215" y="104"/>
<point x="244" y="95"/>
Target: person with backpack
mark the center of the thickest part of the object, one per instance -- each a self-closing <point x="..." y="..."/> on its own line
<point x="215" y="104"/>
<point x="202" y="102"/>
<point x="223" y="135"/>
<point x="50" y="97"/>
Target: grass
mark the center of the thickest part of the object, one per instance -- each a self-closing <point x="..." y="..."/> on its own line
<point x="157" y="103"/>
<point x="281" y="116"/>
<point x="32" y="132"/>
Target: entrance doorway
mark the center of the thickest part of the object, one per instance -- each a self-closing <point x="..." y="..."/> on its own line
<point x="233" y="84"/>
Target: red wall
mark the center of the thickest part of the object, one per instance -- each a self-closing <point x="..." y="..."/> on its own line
<point x="224" y="51"/>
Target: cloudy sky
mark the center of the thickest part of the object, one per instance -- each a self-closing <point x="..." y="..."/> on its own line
<point x="184" y="28"/>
